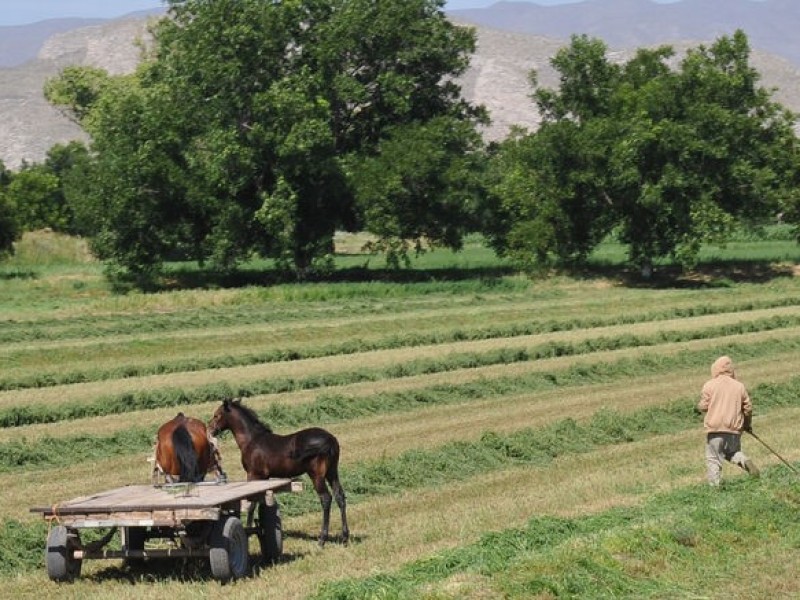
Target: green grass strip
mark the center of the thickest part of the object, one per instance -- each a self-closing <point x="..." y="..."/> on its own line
<point x="354" y="345"/>
<point x="678" y="544"/>
<point x="333" y="408"/>
<point x="273" y="304"/>
<point x="29" y="414"/>
<point x="456" y="461"/>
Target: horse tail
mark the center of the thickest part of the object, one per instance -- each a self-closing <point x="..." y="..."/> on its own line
<point x="187" y="456"/>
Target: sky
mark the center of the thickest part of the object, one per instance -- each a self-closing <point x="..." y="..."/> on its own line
<point x="20" y="12"/>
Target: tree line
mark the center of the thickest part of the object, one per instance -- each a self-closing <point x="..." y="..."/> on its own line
<point x="255" y="128"/>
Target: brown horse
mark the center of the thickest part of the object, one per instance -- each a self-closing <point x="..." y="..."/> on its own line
<point x="265" y="454"/>
<point x="184" y="451"/>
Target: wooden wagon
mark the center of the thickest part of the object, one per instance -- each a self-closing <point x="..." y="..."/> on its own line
<point x="188" y="520"/>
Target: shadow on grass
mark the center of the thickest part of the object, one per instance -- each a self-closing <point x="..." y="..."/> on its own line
<point x="194" y="569"/>
<point x="716" y="274"/>
<point x="10" y="275"/>
<point x="184" y="570"/>
<point x="333" y="538"/>
<point x="194" y="279"/>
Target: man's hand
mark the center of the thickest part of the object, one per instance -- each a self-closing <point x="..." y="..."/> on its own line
<point x="748" y="423"/>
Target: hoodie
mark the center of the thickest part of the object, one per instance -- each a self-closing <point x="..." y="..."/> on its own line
<point x="724" y="399"/>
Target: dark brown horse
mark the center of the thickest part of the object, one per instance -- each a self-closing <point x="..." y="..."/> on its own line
<point x="184" y="452"/>
<point x="265" y="454"/>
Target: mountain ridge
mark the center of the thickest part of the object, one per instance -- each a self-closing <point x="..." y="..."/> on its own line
<point x="771" y="25"/>
<point x="497" y="77"/>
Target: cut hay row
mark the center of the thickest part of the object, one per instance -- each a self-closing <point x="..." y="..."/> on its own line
<point x="183" y="312"/>
<point x="578" y="307"/>
<point x="396" y="443"/>
<point x="169" y="353"/>
<point x="389" y="532"/>
<point x="643" y="551"/>
<point x="271" y="302"/>
<point x="530" y="375"/>
<point x="196" y="387"/>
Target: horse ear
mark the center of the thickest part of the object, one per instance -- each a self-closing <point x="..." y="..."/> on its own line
<point x="226" y="404"/>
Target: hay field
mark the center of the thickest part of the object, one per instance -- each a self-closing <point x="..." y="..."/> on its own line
<point x="468" y="411"/>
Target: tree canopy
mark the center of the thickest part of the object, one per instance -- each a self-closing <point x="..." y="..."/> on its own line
<point x="668" y="158"/>
<point x="9" y="225"/>
<point x="253" y="126"/>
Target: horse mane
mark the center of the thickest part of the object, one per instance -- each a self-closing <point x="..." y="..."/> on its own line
<point x="251" y="416"/>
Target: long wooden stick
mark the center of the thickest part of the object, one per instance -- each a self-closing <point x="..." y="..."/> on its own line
<point x="767" y="446"/>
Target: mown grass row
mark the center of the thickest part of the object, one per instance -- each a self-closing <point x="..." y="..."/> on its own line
<point x="29" y="414"/>
<point x="52" y="451"/>
<point x="432" y="467"/>
<point x="277" y="304"/>
<point x="268" y="305"/>
<point x="457" y="461"/>
<point x="353" y="345"/>
<point x="678" y="544"/>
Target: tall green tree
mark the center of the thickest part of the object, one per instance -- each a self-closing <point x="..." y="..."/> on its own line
<point x="670" y="158"/>
<point x="9" y="225"/>
<point x="37" y="191"/>
<point x="68" y="162"/>
<point x="246" y="129"/>
<point x="34" y="191"/>
<point x="422" y="187"/>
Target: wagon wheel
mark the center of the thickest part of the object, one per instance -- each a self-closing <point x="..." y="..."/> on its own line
<point x="228" y="556"/>
<point x="270" y="534"/>
<point x="59" y="559"/>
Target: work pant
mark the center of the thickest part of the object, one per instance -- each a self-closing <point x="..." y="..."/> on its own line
<point x="719" y="447"/>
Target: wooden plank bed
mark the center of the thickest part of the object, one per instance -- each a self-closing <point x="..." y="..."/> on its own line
<point x="201" y="519"/>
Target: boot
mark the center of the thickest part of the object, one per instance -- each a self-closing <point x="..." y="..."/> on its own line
<point x="751" y="468"/>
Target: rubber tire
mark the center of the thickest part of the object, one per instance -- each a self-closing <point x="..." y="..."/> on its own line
<point x="270" y="534"/>
<point x="229" y="555"/>
<point x="60" y="564"/>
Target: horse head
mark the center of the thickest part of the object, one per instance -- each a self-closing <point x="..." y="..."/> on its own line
<point x="220" y="420"/>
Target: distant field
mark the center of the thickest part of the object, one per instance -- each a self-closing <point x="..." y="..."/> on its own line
<point x="501" y="436"/>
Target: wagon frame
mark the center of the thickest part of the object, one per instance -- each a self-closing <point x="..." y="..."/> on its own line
<point x="196" y="520"/>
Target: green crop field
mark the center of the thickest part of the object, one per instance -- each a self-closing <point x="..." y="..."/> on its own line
<point x="502" y="437"/>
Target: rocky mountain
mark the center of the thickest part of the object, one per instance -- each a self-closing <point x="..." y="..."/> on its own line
<point x="21" y="43"/>
<point x="771" y="25"/>
<point x="29" y="125"/>
<point x="497" y="78"/>
<point x="498" y="75"/>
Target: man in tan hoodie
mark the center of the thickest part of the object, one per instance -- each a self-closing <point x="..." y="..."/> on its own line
<point x="729" y="411"/>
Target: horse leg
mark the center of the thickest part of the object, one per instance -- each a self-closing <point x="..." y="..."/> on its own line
<point x="156" y="471"/>
<point x="156" y="474"/>
<point x="216" y="459"/>
<point x="325" y="499"/>
<point x="341" y="501"/>
<point x="156" y="459"/>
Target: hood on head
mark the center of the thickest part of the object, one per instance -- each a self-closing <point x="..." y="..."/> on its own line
<point x="723" y="366"/>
